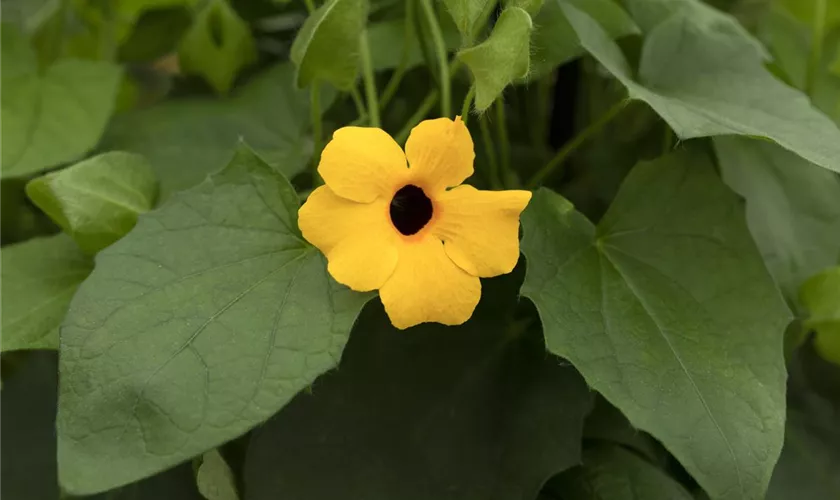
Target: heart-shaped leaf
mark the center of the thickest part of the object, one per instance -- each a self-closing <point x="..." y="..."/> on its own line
<point x="667" y="310"/>
<point x="203" y="321"/>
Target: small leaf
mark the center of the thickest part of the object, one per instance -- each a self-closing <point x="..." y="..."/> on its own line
<point x="39" y="277"/>
<point x="203" y="321"/>
<point x="217" y="46"/>
<point x="704" y="84"/>
<point x="554" y="42"/>
<point x="467" y="14"/>
<point x="502" y="58"/>
<point x="55" y="116"/>
<point x="667" y="310"/>
<point x="327" y="46"/>
<point x="821" y="297"/>
<point x="613" y="473"/>
<point x="97" y="201"/>
<point x="474" y="412"/>
<point x="27" y="422"/>
<point x="186" y="139"/>
<point x="215" y="479"/>
<point x="792" y="208"/>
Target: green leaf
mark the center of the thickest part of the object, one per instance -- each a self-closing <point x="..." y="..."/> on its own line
<point x="97" y="201"/>
<point x="467" y="14"/>
<point x="475" y="412"/>
<point x="613" y="473"/>
<point x="203" y="321"/>
<point x="554" y="42"/>
<point x="703" y="84"/>
<point x="651" y="13"/>
<point x="327" y="46"/>
<point x="217" y="46"/>
<point x="821" y="297"/>
<point x="186" y="139"/>
<point x="810" y="458"/>
<point x="39" y="277"/>
<point x="53" y="116"/>
<point x="792" y="208"/>
<point x="667" y="310"/>
<point x="27" y="422"/>
<point x="502" y="58"/>
<point x="215" y="479"/>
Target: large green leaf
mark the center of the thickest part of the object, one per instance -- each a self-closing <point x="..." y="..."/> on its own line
<point x="704" y="83"/>
<point x="613" y="473"/>
<point x="97" y="201"/>
<point x="554" y="42"/>
<point x="387" y="43"/>
<point x="820" y="295"/>
<point x="51" y="116"/>
<point x="202" y="322"/>
<point x="217" y="46"/>
<point x="667" y="310"/>
<point x="792" y="208"/>
<point x="327" y="46"/>
<point x="502" y="58"/>
<point x="27" y="422"/>
<point x="475" y="412"/>
<point x="184" y="140"/>
<point x="39" y="277"/>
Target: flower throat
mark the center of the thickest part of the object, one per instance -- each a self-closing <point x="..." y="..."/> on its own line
<point x="411" y="209"/>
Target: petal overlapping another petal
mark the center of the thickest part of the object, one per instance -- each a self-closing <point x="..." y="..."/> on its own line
<point x="427" y="286"/>
<point x="362" y="164"/>
<point x="480" y="229"/>
<point x="357" y="238"/>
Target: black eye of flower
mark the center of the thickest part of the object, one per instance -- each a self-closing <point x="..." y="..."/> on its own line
<point x="411" y="209"/>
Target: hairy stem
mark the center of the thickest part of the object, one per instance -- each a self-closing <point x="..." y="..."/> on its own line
<point x="440" y="52"/>
<point x="370" y="82"/>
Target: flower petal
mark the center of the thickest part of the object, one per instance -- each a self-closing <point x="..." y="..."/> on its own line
<point x="440" y="153"/>
<point x="361" y="164"/>
<point x="357" y="238"/>
<point x="428" y="286"/>
<point x="480" y="229"/>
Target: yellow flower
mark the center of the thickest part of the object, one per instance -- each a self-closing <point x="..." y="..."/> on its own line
<point x="383" y="225"/>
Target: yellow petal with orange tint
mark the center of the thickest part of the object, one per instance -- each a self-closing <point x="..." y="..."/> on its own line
<point x="440" y="154"/>
<point x="480" y="229"/>
<point x="357" y="238"/>
<point x="361" y="164"/>
<point x="428" y="286"/>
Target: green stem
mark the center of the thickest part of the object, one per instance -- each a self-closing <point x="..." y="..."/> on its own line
<point x="310" y="5"/>
<point x="426" y="106"/>
<point x="370" y="82"/>
<point x="443" y="63"/>
<point x="504" y="141"/>
<point x="315" y="110"/>
<point x="394" y="83"/>
<point x="465" y="108"/>
<point x="490" y="152"/>
<point x="817" y="35"/>
<point x="359" y="103"/>
<point x="572" y="146"/>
